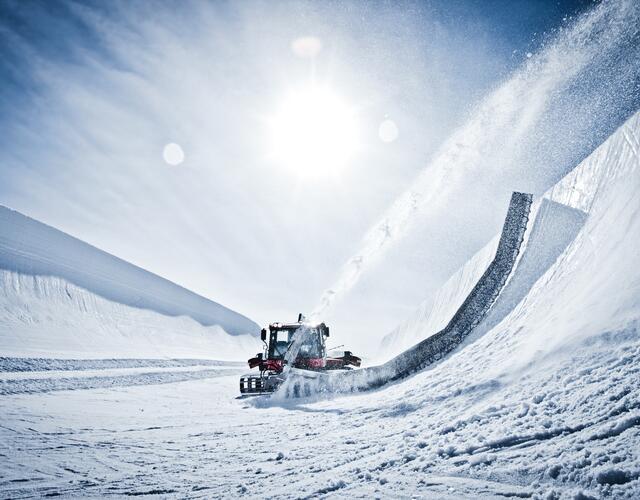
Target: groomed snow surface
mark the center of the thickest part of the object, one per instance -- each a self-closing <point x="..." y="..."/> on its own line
<point x="543" y="402"/>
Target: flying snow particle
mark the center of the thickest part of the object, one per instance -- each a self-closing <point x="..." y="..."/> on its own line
<point x="388" y="131"/>
<point x="173" y="154"/>
<point x="529" y="54"/>
<point x="306" y="47"/>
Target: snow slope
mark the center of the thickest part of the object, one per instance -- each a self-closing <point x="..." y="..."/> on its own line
<point x="551" y="227"/>
<point x="545" y="404"/>
<point x="30" y="247"/>
<point x="60" y="297"/>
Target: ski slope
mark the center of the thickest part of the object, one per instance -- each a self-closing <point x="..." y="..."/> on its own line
<point x="540" y="400"/>
<point x="63" y="298"/>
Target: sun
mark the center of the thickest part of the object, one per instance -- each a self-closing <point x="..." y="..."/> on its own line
<point x="314" y="132"/>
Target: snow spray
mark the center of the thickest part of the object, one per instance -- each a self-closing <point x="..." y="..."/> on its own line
<point x="579" y="66"/>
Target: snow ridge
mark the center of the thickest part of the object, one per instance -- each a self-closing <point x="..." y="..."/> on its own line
<point x="31" y="248"/>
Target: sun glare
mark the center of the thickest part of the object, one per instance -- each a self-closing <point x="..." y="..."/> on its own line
<point x="314" y="132"/>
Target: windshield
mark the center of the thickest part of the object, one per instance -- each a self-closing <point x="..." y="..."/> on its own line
<point x="280" y="340"/>
<point x="311" y="348"/>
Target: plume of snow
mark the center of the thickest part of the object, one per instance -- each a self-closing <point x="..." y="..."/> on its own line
<point x="505" y="126"/>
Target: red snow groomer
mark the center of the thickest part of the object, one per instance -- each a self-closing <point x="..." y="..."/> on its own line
<point x="312" y="355"/>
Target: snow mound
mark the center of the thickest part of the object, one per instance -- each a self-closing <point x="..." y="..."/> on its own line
<point x="33" y="248"/>
<point x="60" y="297"/>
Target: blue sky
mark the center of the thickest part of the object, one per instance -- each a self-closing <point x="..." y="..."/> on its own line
<point x="93" y="91"/>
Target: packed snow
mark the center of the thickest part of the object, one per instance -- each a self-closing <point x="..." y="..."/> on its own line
<point x="543" y="404"/>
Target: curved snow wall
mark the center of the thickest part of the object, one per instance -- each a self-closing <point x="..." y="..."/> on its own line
<point x="552" y="227"/>
<point x="469" y="314"/>
<point x="436" y="312"/>
<point x="475" y="306"/>
<point x="32" y="248"/>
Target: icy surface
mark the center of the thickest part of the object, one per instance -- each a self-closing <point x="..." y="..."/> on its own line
<point x="545" y="404"/>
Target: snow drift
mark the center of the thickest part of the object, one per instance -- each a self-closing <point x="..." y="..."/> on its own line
<point x="60" y="296"/>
